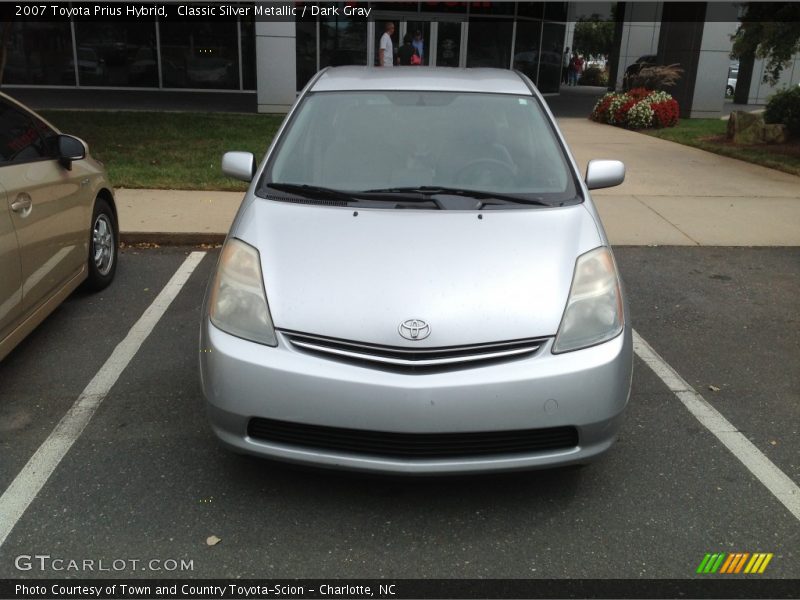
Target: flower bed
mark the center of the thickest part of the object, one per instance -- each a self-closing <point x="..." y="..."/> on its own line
<point x="638" y="108"/>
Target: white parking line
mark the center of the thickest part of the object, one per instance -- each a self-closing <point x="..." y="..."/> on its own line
<point x="775" y="480"/>
<point x="30" y="480"/>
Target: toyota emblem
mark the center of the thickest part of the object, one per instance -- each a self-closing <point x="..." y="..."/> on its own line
<point x="414" y="329"/>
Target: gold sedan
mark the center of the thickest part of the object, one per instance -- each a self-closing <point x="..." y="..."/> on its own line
<point x="58" y="221"/>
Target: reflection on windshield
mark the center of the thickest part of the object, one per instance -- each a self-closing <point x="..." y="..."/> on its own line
<point x="360" y="141"/>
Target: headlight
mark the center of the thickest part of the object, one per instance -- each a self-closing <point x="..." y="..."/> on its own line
<point x="594" y="308"/>
<point x="238" y="303"/>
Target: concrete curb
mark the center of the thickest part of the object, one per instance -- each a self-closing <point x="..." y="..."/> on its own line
<point x="167" y="238"/>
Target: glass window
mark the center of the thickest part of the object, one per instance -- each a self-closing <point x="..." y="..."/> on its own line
<point x="420" y="32"/>
<point x="556" y="11"/>
<point x="248" y="26"/>
<point x="489" y="44"/>
<point x="342" y="42"/>
<point x="530" y="9"/>
<point x="117" y="54"/>
<point x="448" y="45"/>
<point x="22" y="137"/>
<point x="395" y="6"/>
<point x="199" y="54"/>
<point x="443" y="7"/>
<point x="305" y="52"/>
<point x="492" y="8"/>
<point x="526" y="49"/>
<point x="551" y="57"/>
<point x="39" y="53"/>
<point x="339" y="140"/>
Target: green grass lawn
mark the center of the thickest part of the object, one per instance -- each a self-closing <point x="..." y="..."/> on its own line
<point x="183" y="150"/>
<point x="709" y="134"/>
<point x="168" y="150"/>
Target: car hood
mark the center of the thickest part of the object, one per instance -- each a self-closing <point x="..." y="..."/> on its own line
<point x="473" y="277"/>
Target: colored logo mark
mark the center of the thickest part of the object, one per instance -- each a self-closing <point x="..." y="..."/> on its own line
<point x="735" y="562"/>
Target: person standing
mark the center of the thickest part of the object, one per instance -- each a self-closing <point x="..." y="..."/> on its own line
<point x="419" y="45"/>
<point x="407" y="53"/>
<point x="575" y="68"/>
<point x="386" y="49"/>
<point x="565" y="66"/>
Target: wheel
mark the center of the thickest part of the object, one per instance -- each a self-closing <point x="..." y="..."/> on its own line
<point x="102" y="246"/>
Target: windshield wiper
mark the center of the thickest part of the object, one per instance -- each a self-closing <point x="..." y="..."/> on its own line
<point x="429" y="190"/>
<point x="362" y="199"/>
<point x="312" y="191"/>
<point x="422" y="194"/>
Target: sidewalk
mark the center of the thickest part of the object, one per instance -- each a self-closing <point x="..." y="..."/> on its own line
<point x="673" y="195"/>
<point x="677" y="195"/>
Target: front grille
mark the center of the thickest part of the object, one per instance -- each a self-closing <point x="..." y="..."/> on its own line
<point x="413" y="445"/>
<point x="413" y="359"/>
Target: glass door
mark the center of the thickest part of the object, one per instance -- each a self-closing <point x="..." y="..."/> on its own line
<point x="438" y="43"/>
<point x="419" y="32"/>
<point x="448" y="43"/>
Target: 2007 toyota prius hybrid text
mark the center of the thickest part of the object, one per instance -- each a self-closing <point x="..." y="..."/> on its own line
<point x="417" y="281"/>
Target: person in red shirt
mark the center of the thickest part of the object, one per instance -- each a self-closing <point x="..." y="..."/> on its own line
<point x="575" y="68"/>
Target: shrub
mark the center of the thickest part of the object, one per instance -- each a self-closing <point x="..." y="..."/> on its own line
<point x="656" y="77"/>
<point x="602" y="107"/>
<point x="640" y="115"/>
<point x="665" y="113"/>
<point x="594" y="76"/>
<point x="638" y="108"/>
<point x="784" y="107"/>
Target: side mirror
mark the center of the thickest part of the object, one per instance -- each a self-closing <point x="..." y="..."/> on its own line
<point x="239" y="165"/>
<point x="69" y="149"/>
<point x="604" y="173"/>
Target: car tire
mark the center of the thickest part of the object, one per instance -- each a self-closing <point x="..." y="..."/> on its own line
<point x="103" y="246"/>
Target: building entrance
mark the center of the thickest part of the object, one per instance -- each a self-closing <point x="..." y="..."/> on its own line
<point x="439" y="43"/>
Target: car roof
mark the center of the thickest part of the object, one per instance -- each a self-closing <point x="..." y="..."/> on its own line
<point x="497" y="81"/>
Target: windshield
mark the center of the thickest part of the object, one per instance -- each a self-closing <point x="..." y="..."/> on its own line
<point x="400" y="141"/>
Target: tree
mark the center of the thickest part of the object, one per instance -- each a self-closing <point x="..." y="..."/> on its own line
<point x="593" y="36"/>
<point x="769" y="30"/>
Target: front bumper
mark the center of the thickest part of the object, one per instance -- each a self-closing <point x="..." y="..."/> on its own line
<point x="587" y="389"/>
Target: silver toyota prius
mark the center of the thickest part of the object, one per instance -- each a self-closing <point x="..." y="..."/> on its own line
<point x="417" y="281"/>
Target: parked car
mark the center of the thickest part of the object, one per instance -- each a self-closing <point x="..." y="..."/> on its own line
<point x="647" y="60"/>
<point x="92" y="69"/>
<point x="58" y="221"/>
<point x="442" y="299"/>
<point x="733" y="75"/>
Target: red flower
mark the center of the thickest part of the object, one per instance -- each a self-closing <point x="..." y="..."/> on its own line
<point x="601" y="110"/>
<point x="665" y="114"/>
<point x="639" y="93"/>
<point x="621" y="114"/>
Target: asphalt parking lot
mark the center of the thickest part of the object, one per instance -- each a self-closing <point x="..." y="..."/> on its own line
<point x="146" y="480"/>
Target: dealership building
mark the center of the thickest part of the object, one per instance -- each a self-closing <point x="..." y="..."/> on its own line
<point x="271" y="59"/>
